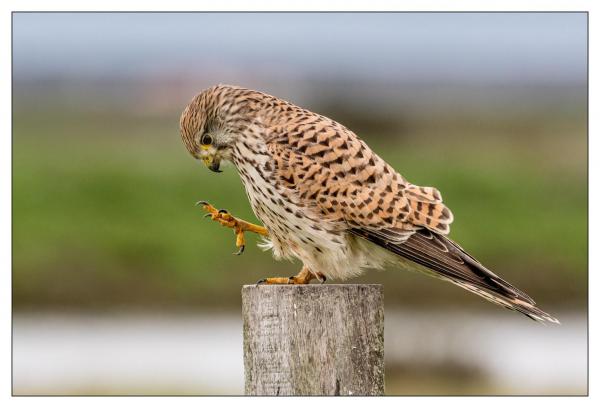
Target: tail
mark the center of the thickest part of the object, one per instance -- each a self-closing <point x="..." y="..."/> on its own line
<point x="522" y="306"/>
<point x="446" y="260"/>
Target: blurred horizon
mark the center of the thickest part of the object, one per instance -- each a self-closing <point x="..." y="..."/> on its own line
<point x="490" y="108"/>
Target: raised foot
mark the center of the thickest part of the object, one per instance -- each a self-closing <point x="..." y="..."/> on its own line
<point x="239" y="227"/>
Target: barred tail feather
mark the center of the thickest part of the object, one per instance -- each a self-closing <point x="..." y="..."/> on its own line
<point x="438" y="256"/>
<point x="518" y="305"/>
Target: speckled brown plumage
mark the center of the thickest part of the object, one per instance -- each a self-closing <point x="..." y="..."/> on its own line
<point x="327" y="199"/>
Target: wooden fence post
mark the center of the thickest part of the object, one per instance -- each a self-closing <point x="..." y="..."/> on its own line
<point x="313" y="339"/>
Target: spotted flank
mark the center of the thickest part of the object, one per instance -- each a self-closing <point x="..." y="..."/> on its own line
<point x="325" y="197"/>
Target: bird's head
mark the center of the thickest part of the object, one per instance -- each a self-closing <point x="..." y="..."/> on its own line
<point x="205" y="129"/>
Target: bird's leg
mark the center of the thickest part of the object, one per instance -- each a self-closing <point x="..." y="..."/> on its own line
<point x="239" y="226"/>
<point x="303" y="277"/>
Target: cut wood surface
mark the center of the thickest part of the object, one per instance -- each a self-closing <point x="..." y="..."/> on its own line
<point x="313" y="339"/>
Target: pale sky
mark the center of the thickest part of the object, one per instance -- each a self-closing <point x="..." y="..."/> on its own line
<point x="406" y="46"/>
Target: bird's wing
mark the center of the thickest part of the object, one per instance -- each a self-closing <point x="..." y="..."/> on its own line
<point x="330" y="169"/>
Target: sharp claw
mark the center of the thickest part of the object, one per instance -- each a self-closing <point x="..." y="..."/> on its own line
<point x="201" y="202"/>
<point x="260" y="281"/>
<point x="223" y="211"/>
<point x="207" y="215"/>
<point x="321" y="278"/>
<point x="240" y="251"/>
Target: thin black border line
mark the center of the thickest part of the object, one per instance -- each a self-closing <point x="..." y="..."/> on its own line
<point x="587" y="103"/>
<point x="301" y="12"/>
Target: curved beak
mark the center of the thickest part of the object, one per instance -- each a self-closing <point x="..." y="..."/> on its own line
<point x="215" y="166"/>
<point x="212" y="163"/>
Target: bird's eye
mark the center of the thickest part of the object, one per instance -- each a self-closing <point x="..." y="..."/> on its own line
<point x="206" y="139"/>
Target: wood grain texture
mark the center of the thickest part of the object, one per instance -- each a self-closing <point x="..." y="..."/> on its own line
<point x="313" y="339"/>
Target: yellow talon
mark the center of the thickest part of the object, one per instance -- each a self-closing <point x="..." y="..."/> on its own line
<point x="239" y="226"/>
<point x="302" y="278"/>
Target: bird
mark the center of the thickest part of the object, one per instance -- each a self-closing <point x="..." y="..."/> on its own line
<point x="325" y="198"/>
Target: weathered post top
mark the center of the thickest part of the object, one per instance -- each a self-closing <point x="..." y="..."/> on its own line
<point x="313" y="339"/>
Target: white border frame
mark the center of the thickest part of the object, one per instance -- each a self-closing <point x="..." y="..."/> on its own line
<point x="8" y="6"/>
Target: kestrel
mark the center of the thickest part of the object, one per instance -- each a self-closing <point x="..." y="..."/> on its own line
<point x="327" y="199"/>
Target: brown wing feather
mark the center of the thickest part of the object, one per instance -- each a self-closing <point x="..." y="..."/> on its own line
<point x="329" y="166"/>
<point x="336" y="172"/>
<point x="427" y="209"/>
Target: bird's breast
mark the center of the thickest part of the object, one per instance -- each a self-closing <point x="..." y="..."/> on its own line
<point x="296" y="230"/>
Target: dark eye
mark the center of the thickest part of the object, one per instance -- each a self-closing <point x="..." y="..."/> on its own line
<point x="206" y="139"/>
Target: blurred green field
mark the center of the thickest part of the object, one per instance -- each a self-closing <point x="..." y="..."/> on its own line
<point x="103" y="210"/>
